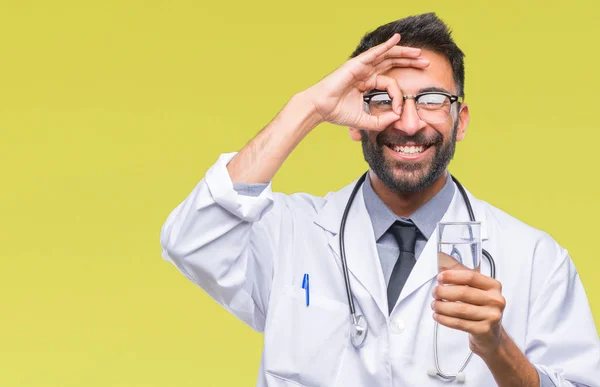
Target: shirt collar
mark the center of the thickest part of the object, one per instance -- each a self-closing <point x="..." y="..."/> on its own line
<point x="425" y="217"/>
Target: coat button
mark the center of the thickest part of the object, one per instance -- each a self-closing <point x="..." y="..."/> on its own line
<point x="397" y="326"/>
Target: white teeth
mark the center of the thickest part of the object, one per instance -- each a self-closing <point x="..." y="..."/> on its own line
<point x="409" y="150"/>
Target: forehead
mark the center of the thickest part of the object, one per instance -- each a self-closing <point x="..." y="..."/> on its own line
<point x="437" y="74"/>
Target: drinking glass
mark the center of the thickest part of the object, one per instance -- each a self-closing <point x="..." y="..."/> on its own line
<point x="459" y="246"/>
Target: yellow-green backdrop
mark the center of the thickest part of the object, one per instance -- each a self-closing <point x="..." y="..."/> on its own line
<point x="111" y="112"/>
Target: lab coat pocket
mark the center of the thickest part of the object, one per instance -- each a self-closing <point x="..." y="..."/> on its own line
<point x="306" y="344"/>
<point x="276" y="381"/>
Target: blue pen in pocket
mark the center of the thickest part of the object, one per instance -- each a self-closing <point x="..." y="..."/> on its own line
<point x="306" y="287"/>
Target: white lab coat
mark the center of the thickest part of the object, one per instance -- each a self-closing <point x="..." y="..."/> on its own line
<point x="251" y="253"/>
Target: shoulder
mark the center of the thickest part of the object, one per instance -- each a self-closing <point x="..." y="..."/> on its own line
<point x="517" y="234"/>
<point x="527" y="258"/>
<point x="309" y="204"/>
<point x="300" y="202"/>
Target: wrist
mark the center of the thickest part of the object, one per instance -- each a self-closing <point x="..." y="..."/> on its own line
<point x="302" y="107"/>
<point x="508" y="364"/>
<point x="497" y="350"/>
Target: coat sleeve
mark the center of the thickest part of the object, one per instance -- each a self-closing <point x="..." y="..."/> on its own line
<point x="225" y="242"/>
<point x="562" y="340"/>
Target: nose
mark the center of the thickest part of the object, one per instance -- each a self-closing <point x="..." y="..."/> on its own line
<point x="409" y="121"/>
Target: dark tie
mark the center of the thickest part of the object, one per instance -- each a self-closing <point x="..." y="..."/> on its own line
<point x="406" y="236"/>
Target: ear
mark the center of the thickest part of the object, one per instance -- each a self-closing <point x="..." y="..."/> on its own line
<point x="463" y="122"/>
<point x="354" y="134"/>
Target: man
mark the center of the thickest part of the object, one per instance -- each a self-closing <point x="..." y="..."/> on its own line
<point x="274" y="260"/>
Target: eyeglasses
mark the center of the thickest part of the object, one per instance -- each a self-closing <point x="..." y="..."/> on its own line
<point x="432" y="106"/>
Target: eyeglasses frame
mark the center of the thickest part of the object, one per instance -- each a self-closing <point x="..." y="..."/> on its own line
<point x="453" y="98"/>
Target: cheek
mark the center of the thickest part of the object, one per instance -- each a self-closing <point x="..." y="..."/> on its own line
<point x="445" y="131"/>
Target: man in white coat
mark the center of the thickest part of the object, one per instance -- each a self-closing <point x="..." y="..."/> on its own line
<point x="256" y="252"/>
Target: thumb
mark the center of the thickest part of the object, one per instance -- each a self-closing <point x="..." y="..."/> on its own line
<point x="448" y="262"/>
<point x="377" y="123"/>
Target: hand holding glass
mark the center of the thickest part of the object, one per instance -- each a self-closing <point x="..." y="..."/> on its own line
<point x="459" y="248"/>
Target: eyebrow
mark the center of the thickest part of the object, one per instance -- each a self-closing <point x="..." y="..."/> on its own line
<point x="423" y="90"/>
<point x="430" y="89"/>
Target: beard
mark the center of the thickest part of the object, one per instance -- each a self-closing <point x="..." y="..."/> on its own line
<point x="406" y="177"/>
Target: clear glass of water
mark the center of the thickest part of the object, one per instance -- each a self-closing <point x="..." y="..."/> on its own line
<point x="459" y="246"/>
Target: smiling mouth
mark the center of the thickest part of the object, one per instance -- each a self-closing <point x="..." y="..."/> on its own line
<point x="408" y="149"/>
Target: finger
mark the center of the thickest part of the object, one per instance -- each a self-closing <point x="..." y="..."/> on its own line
<point x="472" y="327"/>
<point x="371" y="54"/>
<point x="470" y="278"/>
<point x="377" y="123"/>
<point x="448" y="262"/>
<point x="398" y="57"/>
<point x="398" y="52"/>
<point x="389" y="63"/>
<point x="389" y="84"/>
<point x="465" y="294"/>
<point x="466" y="311"/>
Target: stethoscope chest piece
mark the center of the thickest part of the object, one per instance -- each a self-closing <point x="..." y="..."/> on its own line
<point x="359" y="330"/>
<point x="460" y="377"/>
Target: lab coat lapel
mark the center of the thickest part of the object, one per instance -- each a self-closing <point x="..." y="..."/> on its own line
<point x="361" y="251"/>
<point x="359" y="241"/>
<point x="425" y="268"/>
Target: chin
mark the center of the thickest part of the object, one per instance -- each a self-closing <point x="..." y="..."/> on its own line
<point x="415" y="178"/>
<point x="405" y="182"/>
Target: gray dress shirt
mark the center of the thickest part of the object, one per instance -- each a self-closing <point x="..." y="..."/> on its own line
<point x="425" y="218"/>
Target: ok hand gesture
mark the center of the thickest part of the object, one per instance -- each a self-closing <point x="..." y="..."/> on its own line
<point x="338" y="98"/>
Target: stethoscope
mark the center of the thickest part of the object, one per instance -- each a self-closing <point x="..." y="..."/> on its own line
<point x="359" y="324"/>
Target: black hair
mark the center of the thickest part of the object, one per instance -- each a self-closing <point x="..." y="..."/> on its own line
<point x="424" y="31"/>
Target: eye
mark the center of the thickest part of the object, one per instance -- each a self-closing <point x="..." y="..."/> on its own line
<point x="433" y="100"/>
<point x="381" y="100"/>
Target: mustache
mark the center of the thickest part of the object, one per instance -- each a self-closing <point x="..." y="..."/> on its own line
<point x="384" y="138"/>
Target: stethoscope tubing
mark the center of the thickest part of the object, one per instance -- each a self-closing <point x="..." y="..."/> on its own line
<point x="343" y="250"/>
<point x="358" y="322"/>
